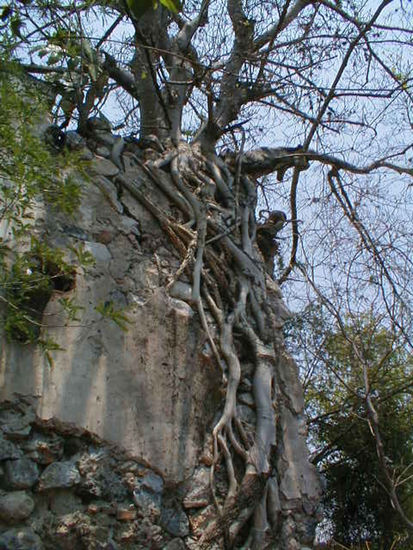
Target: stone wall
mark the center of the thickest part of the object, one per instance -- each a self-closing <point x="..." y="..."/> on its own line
<point x="63" y="488"/>
<point x="153" y="389"/>
<point x="149" y="395"/>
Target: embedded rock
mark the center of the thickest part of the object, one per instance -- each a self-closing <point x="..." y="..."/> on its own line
<point x="147" y="502"/>
<point x="64" y="501"/>
<point x="20" y="539"/>
<point x="9" y="450"/>
<point x="15" y="506"/>
<point x="199" y="494"/>
<point x="104" y="167"/>
<point x="151" y="482"/>
<point x="43" y="448"/>
<point x="16" y="424"/>
<point x="175" y="521"/>
<point x="175" y="544"/>
<point x="59" y="475"/>
<point x="21" y="473"/>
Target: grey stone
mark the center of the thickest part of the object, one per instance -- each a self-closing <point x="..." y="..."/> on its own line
<point x="99" y="476"/>
<point x="181" y="291"/>
<point x="175" y="521"/>
<point x="175" y="544"/>
<point x="147" y="494"/>
<point x="86" y="154"/>
<point x="59" y="475"/>
<point x="104" y="167"/>
<point x="44" y="448"/>
<point x="21" y="473"/>
<point x="17" y="432"/>
<point x="64" y="502"/>
<point x="109" y="191"/>
<point x="105" y="137"/>
<point x="99" y="252"/>
<point x="16" y="422"/>
<point x="104" y="483"/>
<point x="15" y="506"/>
<point x="152" y="482"/>
<point x="8" y="450"/>
<point x="149" y="503"/>
<point x="103" y="151"/>
<point x="199" y="492"/>
<point x="75" y="232"/>
<point x="20" y="539"/>
<point x="74" y="141"/>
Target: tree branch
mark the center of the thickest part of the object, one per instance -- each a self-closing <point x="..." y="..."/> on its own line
<point x="281" y="24"/>
<point x="267" y="160"/>
<point x="122" y="77"/>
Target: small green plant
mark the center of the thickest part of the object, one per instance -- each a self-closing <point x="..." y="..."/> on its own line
<point x="30" y="269"/>
<point x="84" y="257"/>
<point x="118" y="316"/>
<point x="28" y="284"/>
<point x="71" y="308"/>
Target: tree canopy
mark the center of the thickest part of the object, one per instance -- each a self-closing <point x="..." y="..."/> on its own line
<point x="341" y="431"/>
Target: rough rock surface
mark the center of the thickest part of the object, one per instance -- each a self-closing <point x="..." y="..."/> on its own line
<point x="15" y="507"/>
<point x="21" y="473"/>
<point x="20" y="539"/>
<point x="91" y="497"/>
<point x="110" y="443"/>
<point x="151" y="389"/>
<point x="59" y="475"/>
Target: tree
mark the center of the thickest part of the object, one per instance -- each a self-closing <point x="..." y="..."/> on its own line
<point x="356" y="497"/>
<point x="195" y="84"/>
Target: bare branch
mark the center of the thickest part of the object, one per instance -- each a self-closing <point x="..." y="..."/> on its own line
<point x="280" y="25"/>
<point x="266" y="160"/>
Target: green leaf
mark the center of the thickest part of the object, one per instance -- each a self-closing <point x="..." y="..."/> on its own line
<point x="84" y="257"/>
<point x="15" y="25"/>
<point x="71" y="308"/>
<point x="174" y="6"/>
<point x="6" y="12"/>
<point x="54" y="58"/>
<point x="108" y="311"/>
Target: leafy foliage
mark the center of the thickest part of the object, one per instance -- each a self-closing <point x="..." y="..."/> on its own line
<point x="328" y="75"/>
<point x="138" y="8"/>
<point x="30" y="269"/>
<point x="356" y="497"/>
<point x="28" y="285"/>
<point x="118" y="316"/>
<point x="28" y="169"/>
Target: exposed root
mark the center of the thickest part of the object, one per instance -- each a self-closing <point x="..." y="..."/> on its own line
<point x="229" y="284"/>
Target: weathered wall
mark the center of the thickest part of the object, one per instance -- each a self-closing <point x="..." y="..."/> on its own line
<point x="151" y="389"/>
<point x="63" y="489"/>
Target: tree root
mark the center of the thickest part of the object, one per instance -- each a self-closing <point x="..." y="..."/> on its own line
<point x="229" y="282"/>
